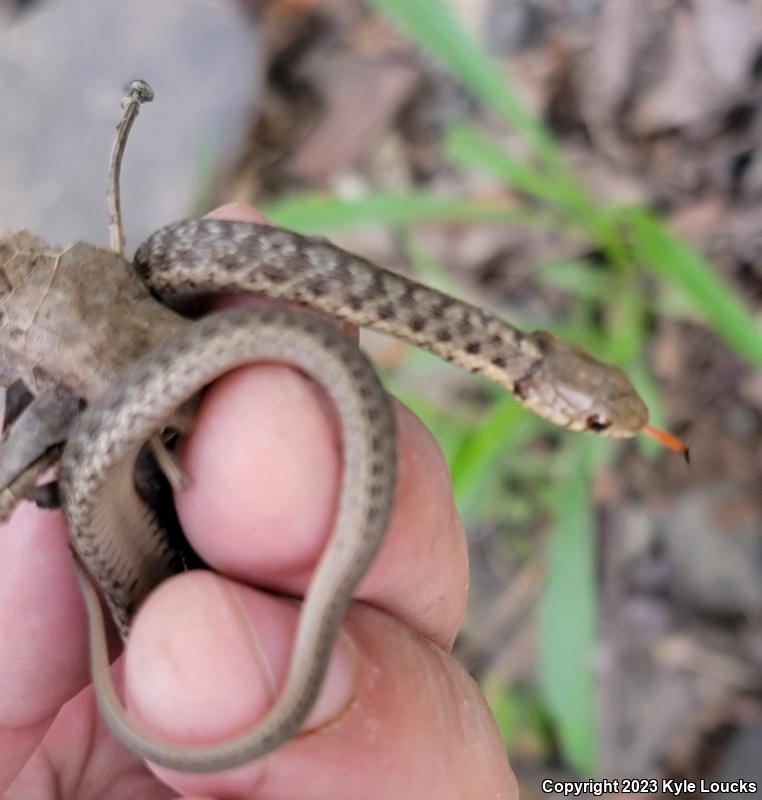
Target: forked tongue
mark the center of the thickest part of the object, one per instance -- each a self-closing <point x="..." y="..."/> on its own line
<point x="668" y="440"/>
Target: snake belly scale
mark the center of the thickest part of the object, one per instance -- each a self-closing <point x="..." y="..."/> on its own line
<point x="119" y="540"/>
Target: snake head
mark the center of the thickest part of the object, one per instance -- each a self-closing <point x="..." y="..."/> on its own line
<point x="568" y="387"/>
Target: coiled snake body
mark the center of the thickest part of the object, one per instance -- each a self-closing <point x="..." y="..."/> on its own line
<point x="119" y="540"/>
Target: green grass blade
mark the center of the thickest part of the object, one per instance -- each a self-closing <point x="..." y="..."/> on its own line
<point x="504" y="430"/>
<point x="577" y="278"/>
<point x="433" y="26"/>
<point x="449" y="432"/>
<point x="469" y="148"/>
<point x="520" y="720"/>
<point x="568" y="613"/>
<point x="673" y="259"/>
<point x="313" y="213"/>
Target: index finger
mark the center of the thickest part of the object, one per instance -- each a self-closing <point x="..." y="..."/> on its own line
<point x="267" y="458"/>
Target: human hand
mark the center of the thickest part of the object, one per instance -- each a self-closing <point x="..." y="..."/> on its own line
<point x="397" y="716"/>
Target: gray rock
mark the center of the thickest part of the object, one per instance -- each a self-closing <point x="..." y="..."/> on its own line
<point x="62" y="68"/>
<point x="713" y="540"/>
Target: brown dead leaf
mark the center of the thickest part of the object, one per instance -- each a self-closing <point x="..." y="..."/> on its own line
<point x="711" y="47"/>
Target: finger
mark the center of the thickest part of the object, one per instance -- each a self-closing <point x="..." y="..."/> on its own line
<point x="397" y="717"/>
<point x="276" y="521"/>
<point x="43" y="659"/>
<point x="264" y="462"/>
<point x="77" y="759"/>
<point x="238" y="211"/>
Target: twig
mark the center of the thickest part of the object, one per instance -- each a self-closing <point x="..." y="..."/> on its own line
<point x="137" y="92"/>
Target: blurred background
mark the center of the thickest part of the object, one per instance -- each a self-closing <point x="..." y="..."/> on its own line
<point x="589" y="167"/>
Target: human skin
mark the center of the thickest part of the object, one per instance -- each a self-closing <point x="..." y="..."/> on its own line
<point x="397" y="715"/>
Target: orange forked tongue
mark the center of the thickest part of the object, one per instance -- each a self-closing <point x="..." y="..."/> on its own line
<point x="668" y="440"/>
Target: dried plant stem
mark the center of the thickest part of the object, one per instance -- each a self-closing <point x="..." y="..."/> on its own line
<point x="137" y="92"/>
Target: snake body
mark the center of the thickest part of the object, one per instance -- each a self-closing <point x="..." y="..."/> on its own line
<point x="119" y="539"/>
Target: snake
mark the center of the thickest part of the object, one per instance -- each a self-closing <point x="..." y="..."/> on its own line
<point x="121" y="547"/>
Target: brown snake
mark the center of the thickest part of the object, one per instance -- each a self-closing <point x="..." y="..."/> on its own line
<point x="120" y="541"/>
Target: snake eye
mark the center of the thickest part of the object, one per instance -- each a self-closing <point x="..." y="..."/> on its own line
<point x="597" y="424"/>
